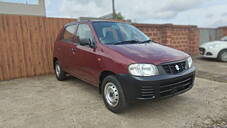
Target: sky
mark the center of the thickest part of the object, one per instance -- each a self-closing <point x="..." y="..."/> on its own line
<point x="203" y="13"/>
<point x="21" y="1"/>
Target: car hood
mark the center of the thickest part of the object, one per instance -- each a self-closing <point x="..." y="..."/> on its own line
<point x="149" y="53"/>
<point x="212" y="43"/>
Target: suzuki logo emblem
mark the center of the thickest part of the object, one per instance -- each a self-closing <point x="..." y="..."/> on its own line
<point x="177" y="67"/>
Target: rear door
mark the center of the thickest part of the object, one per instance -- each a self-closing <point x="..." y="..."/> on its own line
<point x="69" y="49"/>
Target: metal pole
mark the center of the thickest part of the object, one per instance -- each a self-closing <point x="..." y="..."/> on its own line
<point x="113" y="7"/>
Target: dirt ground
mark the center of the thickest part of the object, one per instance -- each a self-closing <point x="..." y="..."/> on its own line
<point x="211" y="69"/>
<point x="44" y="102"/>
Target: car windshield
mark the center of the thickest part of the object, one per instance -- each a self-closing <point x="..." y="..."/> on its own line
<point x="115" y="33"/>
<point x="224" y="38"/>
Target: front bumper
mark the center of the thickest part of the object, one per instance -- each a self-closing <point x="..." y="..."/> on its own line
<point x="155" y="87"/>
<point x="208" y="53"/>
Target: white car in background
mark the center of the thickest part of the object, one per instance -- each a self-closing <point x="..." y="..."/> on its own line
<point x="215" y="49"/>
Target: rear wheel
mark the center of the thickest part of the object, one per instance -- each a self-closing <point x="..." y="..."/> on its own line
<point x="60" y="74"/>
<point x="223" y="56"/>
<point x="113" y="94"/>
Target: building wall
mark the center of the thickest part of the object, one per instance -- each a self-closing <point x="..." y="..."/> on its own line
<point x="208" y="34"/>
<point x="222" y="32"/>
<point x="23" y="9"/>
<point x="185" y="38"/>
<point x="211" y="34"/>
<point x="27" y="42"/>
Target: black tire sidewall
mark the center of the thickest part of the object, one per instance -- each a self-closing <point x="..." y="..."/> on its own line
<point x="61" y="76"/>
<point x="122" y="100"/>
<point x="220" y="55"/>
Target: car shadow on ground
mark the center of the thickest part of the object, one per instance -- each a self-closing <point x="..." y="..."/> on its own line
<point x="158" y="106"/>
<point x="75" y="80"/>
<point x="200" y="58"/>
<point x="207" y="59"/>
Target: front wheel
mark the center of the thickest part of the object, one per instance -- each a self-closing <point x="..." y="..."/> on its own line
<point x="223" y="56"/>
<point x="113" y="94"/>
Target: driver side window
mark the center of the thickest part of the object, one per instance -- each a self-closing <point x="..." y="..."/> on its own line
<point x="84" y="33"/>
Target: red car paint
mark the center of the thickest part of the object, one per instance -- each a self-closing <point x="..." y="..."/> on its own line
<point x="88" y="63"/>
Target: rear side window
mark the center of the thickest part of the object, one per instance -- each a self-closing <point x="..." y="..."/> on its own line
<point x="69" y="33"/>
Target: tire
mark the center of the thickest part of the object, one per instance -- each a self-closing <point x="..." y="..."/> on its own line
<point x="59" y="73"/>
<point x="222" y="56"/>
<point x="113" y="94"/>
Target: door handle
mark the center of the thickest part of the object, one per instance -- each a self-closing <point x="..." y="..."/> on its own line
<point x="73" y="50"/>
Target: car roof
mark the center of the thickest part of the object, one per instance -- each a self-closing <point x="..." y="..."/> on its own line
<point x="90" y="21"/>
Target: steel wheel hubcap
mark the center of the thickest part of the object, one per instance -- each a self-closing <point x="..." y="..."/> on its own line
<point x="111" y="94"/>
<point x="57" y="70"/>
<point x="224" y="56"/>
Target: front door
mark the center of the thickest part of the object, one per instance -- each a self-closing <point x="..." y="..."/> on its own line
<point x="88" y="60"/>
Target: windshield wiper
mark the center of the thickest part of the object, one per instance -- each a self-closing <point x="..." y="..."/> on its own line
<point x="146" y="41"/>
<point x="127" y="42"/>
<point x="130" y="42"/>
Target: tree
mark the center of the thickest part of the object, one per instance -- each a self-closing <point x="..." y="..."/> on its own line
<point x="118" y="16"/>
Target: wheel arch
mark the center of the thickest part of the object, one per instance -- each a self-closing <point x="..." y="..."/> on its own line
<point x="221" y="51"/>
<point x="54" y="60"/>
<point x="219" y="54"/>
<point x="102" y="75"/>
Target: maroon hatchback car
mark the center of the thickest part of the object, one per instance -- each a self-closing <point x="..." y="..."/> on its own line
<point x="122" y="62"/>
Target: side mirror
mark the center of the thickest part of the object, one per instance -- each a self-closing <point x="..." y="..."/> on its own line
<point x="92" y="44"/>
<point x="85" y="41"/>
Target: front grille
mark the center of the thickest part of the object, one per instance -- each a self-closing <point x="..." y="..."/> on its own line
<point x="202" y="51"/>
<point x="175" y="86"/>
<point x="174" y="68"/>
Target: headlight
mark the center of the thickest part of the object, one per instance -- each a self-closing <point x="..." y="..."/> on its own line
<point x="143" y="69"/>
<point x="189" y="60"/>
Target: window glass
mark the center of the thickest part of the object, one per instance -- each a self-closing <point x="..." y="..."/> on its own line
<point x="114" y="32"/>
<point x="69" y="32"/>
<point x="84" y="32"/>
